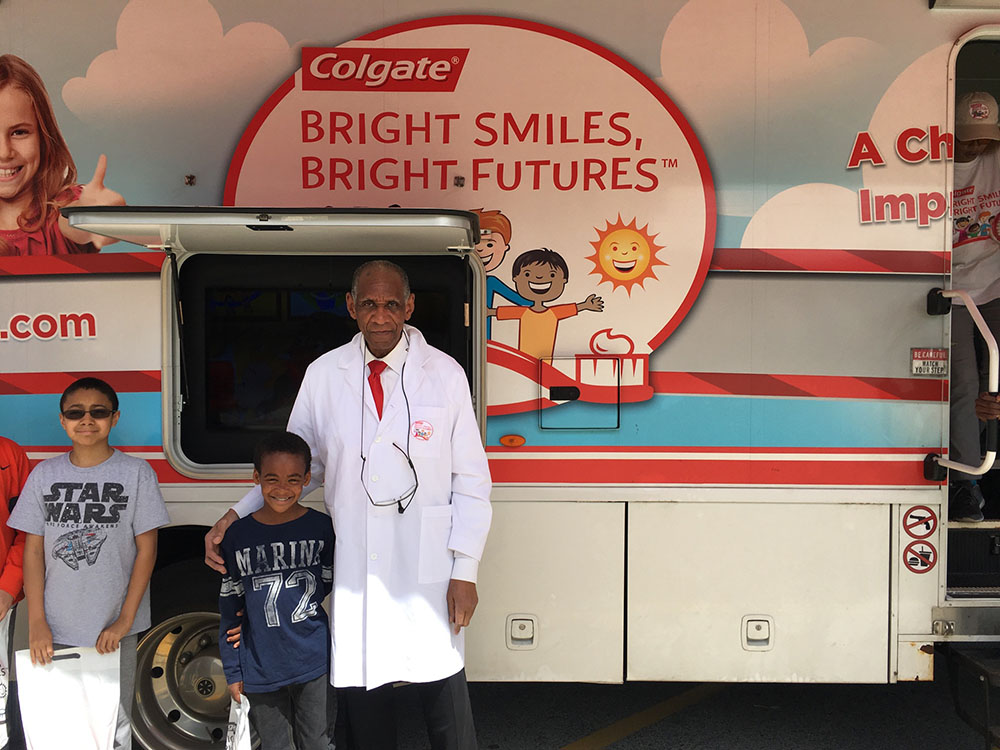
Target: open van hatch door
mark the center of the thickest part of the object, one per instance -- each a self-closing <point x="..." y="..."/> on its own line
<point x="379" y="231"/>
<point x="252" y="295"/>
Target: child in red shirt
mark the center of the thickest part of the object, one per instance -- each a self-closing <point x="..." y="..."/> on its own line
<point x="13" y="471"/>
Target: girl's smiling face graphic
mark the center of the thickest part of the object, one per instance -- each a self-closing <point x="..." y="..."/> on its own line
<point x="20" y="145"/>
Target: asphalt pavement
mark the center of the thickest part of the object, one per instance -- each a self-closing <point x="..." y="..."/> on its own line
<point x="662" y="716"/>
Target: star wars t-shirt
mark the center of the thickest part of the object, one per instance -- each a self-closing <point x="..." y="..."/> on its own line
<point x="89" y="518"/>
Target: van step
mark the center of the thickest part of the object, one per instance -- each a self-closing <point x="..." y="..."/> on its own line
<point x="973" y="556"/>
<point x="974" y="592"/>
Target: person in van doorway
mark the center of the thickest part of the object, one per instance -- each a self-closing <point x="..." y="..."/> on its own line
<point x="987" y="406"/>
<point x="975" y="269"/>
<point x="13" y="474"/>
<point x="280" y="569"/>
<point x="394" y="440"/>
<point x="37" y="173"/>
<point x="90" y="518"/>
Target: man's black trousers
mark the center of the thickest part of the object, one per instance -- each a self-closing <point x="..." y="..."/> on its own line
<point x="366" y="719"/>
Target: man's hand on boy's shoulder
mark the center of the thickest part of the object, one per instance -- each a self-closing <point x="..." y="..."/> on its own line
<point x="213" y="539"/>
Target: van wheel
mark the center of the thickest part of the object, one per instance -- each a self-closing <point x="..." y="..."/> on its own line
<point x="181" y="699"/>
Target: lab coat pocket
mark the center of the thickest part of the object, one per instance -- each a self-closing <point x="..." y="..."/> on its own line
<point x="435" y="557"/>
<point x="428" y="431"/>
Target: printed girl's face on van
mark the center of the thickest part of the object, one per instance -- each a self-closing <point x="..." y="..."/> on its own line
<point x="87" y="417"/>
<point x="20" y="145"/>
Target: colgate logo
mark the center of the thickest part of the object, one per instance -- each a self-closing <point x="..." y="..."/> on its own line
<point x="380" y="69"/>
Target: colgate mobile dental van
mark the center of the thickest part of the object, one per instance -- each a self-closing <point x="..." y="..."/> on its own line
<point x="701" y="317"/>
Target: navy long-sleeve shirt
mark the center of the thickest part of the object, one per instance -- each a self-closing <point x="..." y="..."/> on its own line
<point x="278" y="575"/>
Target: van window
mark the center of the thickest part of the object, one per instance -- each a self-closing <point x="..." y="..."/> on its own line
<point x="253" y="323"/>
<point x="976" y="67"/>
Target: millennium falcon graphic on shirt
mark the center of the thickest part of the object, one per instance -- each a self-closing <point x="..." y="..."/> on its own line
<point x="79" y="544"/>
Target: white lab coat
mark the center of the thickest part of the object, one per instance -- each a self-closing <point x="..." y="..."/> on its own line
<point x="391" y="571"/>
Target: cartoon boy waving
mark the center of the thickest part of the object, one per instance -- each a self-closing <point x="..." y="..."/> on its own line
<point x="540" y="276"/>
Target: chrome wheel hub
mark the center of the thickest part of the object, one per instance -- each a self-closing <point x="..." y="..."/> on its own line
<point x="181" y="698"/>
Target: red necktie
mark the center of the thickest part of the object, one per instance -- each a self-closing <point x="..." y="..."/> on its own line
<point x="375" y="383"/>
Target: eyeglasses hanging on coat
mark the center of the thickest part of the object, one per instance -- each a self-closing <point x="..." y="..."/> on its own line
<point x="400" y="500"/>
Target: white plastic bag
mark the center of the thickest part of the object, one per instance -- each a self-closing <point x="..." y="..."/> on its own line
<point x="238" y="733"/>
<point x="71" y="702"/>
<point x="4" y="676"/>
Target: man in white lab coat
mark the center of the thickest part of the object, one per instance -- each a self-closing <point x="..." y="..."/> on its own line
<point x="407" y="485"/>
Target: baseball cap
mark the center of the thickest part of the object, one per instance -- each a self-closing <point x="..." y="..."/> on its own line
<point x="976" y="117"/>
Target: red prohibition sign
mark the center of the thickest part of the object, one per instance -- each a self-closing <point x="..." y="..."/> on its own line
<point x="920" y="556"/>
<point x="920" y="522"/>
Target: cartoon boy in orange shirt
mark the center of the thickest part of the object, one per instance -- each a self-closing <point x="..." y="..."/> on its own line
<point x="540" y="276"/>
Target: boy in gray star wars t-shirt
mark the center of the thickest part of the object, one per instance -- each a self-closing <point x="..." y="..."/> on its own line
<point x="91" y="517"/>
<point x="88" y="519"/>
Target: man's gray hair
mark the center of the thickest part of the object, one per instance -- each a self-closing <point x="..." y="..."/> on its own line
<point x="380" y="265"/>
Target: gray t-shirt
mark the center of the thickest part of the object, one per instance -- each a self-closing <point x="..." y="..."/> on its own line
<point x="89" y="518"/>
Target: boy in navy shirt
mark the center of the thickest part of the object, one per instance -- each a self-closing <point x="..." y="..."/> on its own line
<point x="280" y="568"/>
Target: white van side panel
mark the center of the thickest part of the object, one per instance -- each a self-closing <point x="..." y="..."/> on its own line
<point x="820" y="572"/>
<point x="563" y="564"/>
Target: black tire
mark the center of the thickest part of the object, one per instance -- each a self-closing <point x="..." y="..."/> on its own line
<point x="181" y="700"/>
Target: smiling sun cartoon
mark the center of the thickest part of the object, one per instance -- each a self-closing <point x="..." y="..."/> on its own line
<point x="625" y="255"/>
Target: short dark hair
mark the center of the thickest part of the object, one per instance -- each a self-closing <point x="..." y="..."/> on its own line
<point x="282" y="442"/>
<point x="541" y="255"/>
<point x="379" y="265"/>
<point x="90" y="384"/>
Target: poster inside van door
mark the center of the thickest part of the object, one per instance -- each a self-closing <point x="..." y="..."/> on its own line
<point x="594" y="196"/>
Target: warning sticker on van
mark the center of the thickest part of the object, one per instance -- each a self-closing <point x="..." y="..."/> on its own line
<point x="931" y="362"/>
<point x="920" y="556"/>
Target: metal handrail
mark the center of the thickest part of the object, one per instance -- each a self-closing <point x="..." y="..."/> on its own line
<point x="994" y="369"/>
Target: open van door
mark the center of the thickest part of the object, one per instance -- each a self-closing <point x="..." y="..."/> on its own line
<point x="251" y="296"/>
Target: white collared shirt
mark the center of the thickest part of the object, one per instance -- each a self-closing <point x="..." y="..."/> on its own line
<point x="394" y="362"/>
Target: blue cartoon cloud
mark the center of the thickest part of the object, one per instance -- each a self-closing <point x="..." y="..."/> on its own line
<point x="770" y="111"/>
